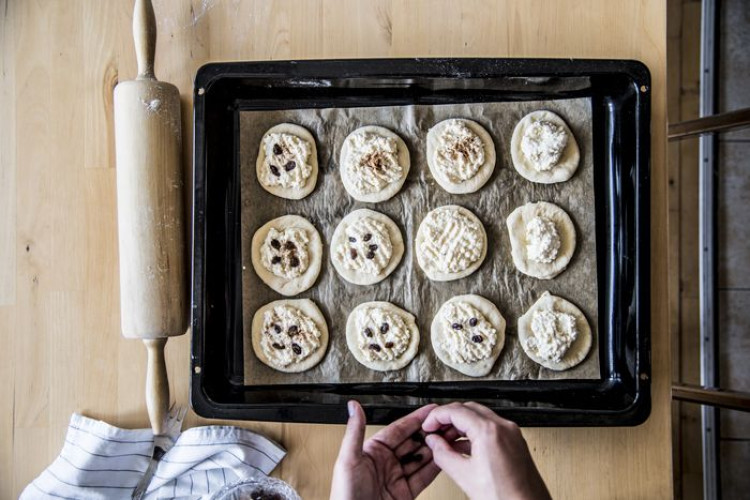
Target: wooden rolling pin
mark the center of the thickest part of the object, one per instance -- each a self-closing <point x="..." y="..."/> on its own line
<point x="148" y="140"/>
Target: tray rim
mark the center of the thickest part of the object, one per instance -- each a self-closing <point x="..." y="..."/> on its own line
<point x="633" y="414"/>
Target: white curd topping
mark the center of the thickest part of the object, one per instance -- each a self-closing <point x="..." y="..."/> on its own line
<point x="382" y="334"/>
<point x="460" y="152"/>
<point x="286" y="161"/>
<point x="367" y="247"/>
<point x="372" y="163"/>
<point x="554" y="332"/>
<point x="543" y="143"/>
<point x="467" y="335"/>
<point x="450" y="241"/>
<point x="543" y="240"/>
<point x="289" y="336"/>
<point x="285" y="253"/>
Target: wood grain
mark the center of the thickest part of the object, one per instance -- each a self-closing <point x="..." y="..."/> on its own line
<point x="63" y="350"/>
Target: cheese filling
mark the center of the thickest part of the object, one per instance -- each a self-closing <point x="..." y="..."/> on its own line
<point x="382" y="334"/>
<point x="367" y="247"/>
<point x="452" y="241"/>
<point x="286" y="161"/>
<point x="543" y="144"/>
<point x="554" y="332"/>
<point x="460" y="152"/>
<point x="285" y="253"/>
<point x="289" y="336"/>
<point x="372" y="163"/>
<point x="542" y="240"/>
<point x="467" y="335"/>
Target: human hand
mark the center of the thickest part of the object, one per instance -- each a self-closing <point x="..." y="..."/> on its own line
<point x="394" y="463"/>
<point x="493" y="462"/>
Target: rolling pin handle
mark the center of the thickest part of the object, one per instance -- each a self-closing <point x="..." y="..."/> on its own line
<point x="157" y="384"/>
<point x="144" y="35"/>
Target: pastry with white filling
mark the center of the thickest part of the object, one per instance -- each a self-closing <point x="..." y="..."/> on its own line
<point x="554" y="333"/>
<point x="366" y="247"/>
<point x="287" y="164"/>
<point x="468" y="333"/>
<point x="382" y="336"/>
<point x="373" y="164"/>
<point x="461" y="155"/>
<point x="451" y="243"/>
<point x="543" y="148"/>
<point x="542" y="239"/>
<point x="287" y="253"/>
<point x="290" y="335"/>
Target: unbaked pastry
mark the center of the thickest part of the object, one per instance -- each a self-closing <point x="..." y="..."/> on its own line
<point x="461" y="155"/>
<point x="555" y="333"/>
<point x="366" y="247"/>
<point x="373" y="164"/>
<point x="287" y="164"/>
<point x="287" y="253"/>
<point x="382" y="336"/>
<point x="543" y="148"/>
<point x="290" y="335"/>
<point x="451" y="243"/>
<point x="542" y="239"/>
<point x="468" y="333"/>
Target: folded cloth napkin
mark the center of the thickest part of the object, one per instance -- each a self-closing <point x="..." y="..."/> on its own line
<point x="102" y="461"/>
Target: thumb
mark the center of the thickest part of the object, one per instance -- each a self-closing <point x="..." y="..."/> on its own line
<point x="351" y="445"/>
<point x="450" y="461"/>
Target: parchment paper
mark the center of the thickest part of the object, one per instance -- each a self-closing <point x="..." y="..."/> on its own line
<point x="408" y="287"/>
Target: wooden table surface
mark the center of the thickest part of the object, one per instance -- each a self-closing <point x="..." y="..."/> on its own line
<point x="59" y="295"/>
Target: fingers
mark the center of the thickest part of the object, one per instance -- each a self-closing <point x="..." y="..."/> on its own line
<point x="400" y="430"/>
<point x="483" y="410"/>
<point x="448" y="459"/>
<point x="351" y="445"/>
<point x="467" y="421"/>
<point x="422" y="477"/>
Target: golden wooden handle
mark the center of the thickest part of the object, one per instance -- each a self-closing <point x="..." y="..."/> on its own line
<point x="144" y="35"/>
<point x="157" y="384"/>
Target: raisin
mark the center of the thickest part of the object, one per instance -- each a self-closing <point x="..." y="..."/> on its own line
<point x="373" y="247"/>
<point x="417" y="437"/>
<point x="352" y="239"/>
<point x="367" y="237"/>
<point x="275" y="170"/>
<point x="278" y="346"/>
<point x="353" y="253"/>
<point x="276" y="244"/>
<point x="293" y="330"/>
<point x="290" y="166"/>
<point x="277" y="149"/>
<point x="294" y="262"/>
<point x="384" y="328"/>
<point x="275" y="259"/>
<point x="457" y="326"/>
<point x="276" y="328"/>
<point x="388" y="345"/>
<point x="473" y="322"/>
<point x="477" y="338"/>
<point x="368" y="332"/>
<point x="297" y="349"/>
<point x="410" y="458"/>
<point x="289" y="245"/>
<point x="370" y="255"/>
<point x="374" y="347"/>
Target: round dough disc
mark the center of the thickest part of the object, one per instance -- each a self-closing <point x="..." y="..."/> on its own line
<point x="282" y="285"/>
<point x="569" y="159"/>
<point x="406" y="356"/>
<point x="309" y="309"/>
<point x="391" y="189"/>
<point x="282" y="192"/>
<point x="492" y="314"/>
<point x="422" y="237"/>
<point x="517" y="222"/>
<point x="580" y="346"/>
<point x="339" y="238"/>
<point x="483" y="174"/>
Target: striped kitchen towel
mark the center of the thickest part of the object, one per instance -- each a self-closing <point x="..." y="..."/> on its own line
<point x="102" y="461"/>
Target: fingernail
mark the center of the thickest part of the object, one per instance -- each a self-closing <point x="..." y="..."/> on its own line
<point x="429" y="440"/>
<point x="350" y="408"/>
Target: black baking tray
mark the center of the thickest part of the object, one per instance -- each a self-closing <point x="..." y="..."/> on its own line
<point x="620" y="95"/>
